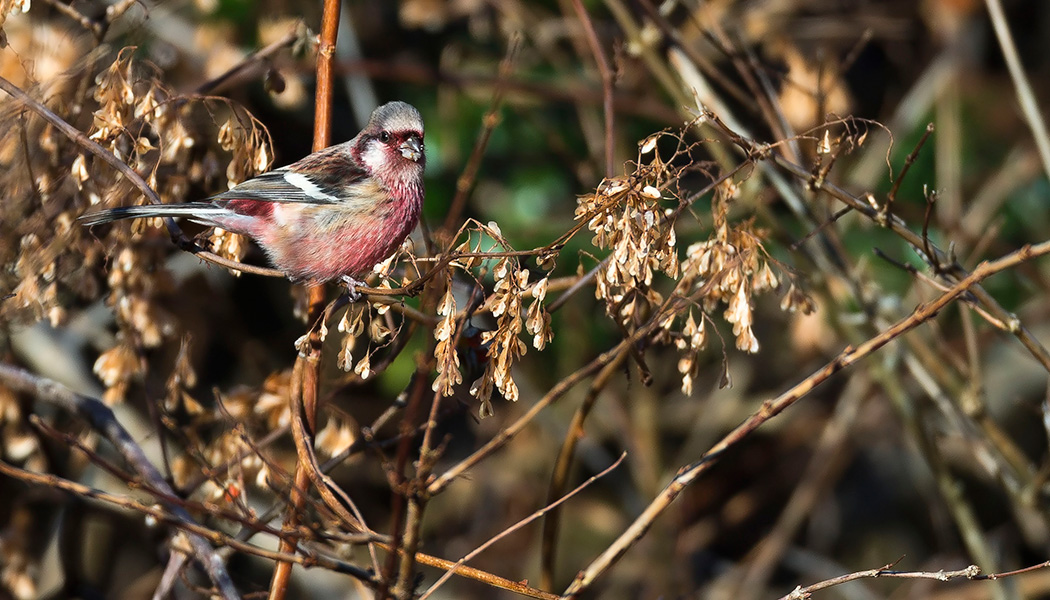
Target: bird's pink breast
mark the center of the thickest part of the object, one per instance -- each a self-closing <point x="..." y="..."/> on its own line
<point x="346" y="242"/>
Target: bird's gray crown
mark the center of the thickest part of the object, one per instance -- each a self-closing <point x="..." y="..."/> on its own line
<point x="397" y="116"/>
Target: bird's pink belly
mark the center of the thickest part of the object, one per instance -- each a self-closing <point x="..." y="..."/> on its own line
<point x="347" y="251"/>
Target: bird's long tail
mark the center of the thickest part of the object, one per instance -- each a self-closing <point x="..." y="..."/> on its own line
<point x="195" y="211"/>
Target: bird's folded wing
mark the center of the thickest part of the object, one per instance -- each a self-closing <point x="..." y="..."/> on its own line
<point x="288" y="185"/>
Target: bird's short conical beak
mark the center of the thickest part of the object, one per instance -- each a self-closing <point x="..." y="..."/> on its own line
<point x="412" y="149"/>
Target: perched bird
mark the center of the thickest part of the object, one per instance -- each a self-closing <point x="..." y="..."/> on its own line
<point x="333" y="214"/>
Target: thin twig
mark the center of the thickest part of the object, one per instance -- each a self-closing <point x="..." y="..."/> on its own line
<point x="831" y="455"/>
<point x="249" y="65"/>
<point x="517" y="587"/>
<point x="562" y="467"/>
<point x="608" y="81"/>
<point x="927" y="216"/>
<point x="192" y="529"/>
<point x="191" y="505"/>
<point x="972" y="572"/>
<point x="835" y="216"/>
<point x="406" y="517"/>
<point x="908" y="162"/>
<point x="466" y="180"/>
<point x="1016" y="328"/>
<point x="102" y="420"/>
<point x="539" y="513"/>
<point x="1029" y="105"/>
<point x="709" y="68"/>
<point x="771" y="408"/>
<point x="83" y="20"/>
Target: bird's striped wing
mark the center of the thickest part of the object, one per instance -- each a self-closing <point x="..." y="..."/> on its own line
<point x="317" y="179"/>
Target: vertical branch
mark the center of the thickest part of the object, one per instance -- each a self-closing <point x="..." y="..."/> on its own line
<point x="297" y="496"/>
<point x="305" y="377"/>
<point x="411" y="495"/>
<point x="607" y="81"/>
<point x="1025" y="95"/>
<point x="398" y="482"/>
<point x="323" y="95"/>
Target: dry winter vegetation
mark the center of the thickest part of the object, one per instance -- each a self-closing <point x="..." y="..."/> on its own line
<point x="711" y="299"/>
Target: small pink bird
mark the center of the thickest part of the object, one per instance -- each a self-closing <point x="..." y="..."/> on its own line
<point x="333" y="214"/>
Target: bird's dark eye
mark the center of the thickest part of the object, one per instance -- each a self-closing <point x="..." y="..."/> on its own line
<point x="384" y="136"/>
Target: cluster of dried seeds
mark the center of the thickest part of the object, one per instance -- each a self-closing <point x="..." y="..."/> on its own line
<point x="140" y="122"/>
<point x="504" y="344"/>
<point x="249" y="145"/>
<point x="728" y="269"/>
<point x="448" y="371"/>
<point x="626" y="214"/>
<point x="382" y="329"/>
<point x="244" y="414"/>
<point x="495" y="350"/>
